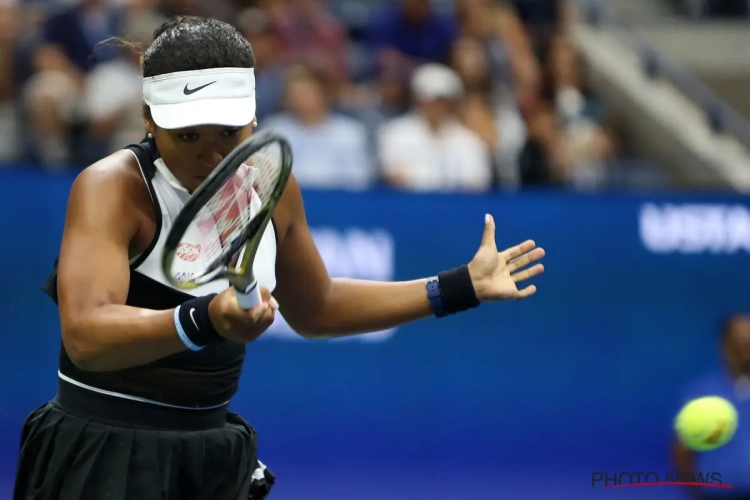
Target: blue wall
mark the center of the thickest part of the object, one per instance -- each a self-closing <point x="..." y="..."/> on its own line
<point x="518" y="400"/>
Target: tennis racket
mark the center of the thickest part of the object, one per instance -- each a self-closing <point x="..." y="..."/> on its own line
<point x="224" y="220"/>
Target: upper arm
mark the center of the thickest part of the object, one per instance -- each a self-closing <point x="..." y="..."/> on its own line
<point x="100" y="223"/>
<point x="302" y="280"/>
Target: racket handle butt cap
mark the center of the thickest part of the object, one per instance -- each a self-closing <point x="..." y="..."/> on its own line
<point x="250" y="297"/>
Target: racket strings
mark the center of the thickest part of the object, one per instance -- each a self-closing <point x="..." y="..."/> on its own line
<point x="234" y="206"/>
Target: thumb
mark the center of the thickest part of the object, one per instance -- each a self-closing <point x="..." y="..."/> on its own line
<point x="257" y="312"/>
<point x="488" y="237"/>
<point x="267" y="298"/>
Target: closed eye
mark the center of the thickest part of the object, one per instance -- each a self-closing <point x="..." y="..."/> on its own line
<point x="191" y="137"/>
<point x="230" y="132"/>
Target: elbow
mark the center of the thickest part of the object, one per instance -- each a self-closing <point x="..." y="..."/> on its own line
<point x="311" y="328"/>
<point x="311" y="332"/>
<point x="80" y="349"/>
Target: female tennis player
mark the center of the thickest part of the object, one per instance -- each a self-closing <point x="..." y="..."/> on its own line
<point x="141" y="413"/>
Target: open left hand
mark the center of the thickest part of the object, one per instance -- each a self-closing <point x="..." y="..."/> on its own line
<point x="495" y="275"/>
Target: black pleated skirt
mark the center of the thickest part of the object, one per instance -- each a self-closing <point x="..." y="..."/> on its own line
<point x="96" y="447"/>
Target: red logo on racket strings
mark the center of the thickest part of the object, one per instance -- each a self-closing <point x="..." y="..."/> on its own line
<point x="188" y="252"/>
<point x="229" y="218"/>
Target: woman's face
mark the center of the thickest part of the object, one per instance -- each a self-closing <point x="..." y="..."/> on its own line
<point x="192" y="153"/>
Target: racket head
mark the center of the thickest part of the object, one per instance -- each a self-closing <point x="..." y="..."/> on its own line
<point x="259" y="169"/>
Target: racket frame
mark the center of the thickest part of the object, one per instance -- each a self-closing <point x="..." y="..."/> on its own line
<point x="248" y="240"/>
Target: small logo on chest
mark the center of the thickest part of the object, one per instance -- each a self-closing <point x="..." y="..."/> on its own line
<point x="188" y="252"/>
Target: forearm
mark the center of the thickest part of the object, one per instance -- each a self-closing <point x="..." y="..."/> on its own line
<point x="358" y="306"/>
<point x="115" y="337"/>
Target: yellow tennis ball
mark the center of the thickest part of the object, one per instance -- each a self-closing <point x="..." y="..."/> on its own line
<point x="706" y="423"/>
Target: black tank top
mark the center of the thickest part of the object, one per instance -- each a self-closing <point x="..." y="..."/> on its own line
<point x="194" y="379"/>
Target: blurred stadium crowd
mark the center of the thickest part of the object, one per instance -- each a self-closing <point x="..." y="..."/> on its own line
<point x="458" y="95"/>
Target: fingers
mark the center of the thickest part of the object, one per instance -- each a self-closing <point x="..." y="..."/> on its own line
<point x="525" y="259"/>
<point x="262" y="314"/>
<point x="266" y="296"/>
<point x="528" y="273"/>
<point x="257" y="312"/>
<point x="518" y="250"/>
<point x="526" y="292"/>
<point x="268" y="316"/>
<point x="265" y="310"/>
<point x="488" y="237"/>
<point x="251" y="332"/>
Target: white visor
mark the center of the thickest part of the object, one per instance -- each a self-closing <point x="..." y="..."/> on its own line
<point x="221" y="96"/>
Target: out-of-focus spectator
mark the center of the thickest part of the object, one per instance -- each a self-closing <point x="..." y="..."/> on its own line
<point x="380" y="100"/>
<point x="589" y="146"/>
<point x="495" y="119"/>
<point x="271" y="7"/>
<point x="512" y="63"/>
<point x="113" y="99"/>
<point x="9" y="134"/>
<point x="717" y="8"/>
<point x="311" y="35"/>
<point x="429" y="149"/>
<point x="411" y="33"/>
<point x="543" y="19"/>
<point x="171" y="8"/>
<point x="54" y="94"/>
<point x="330" y="150"/>
<point x="269" y="68"/>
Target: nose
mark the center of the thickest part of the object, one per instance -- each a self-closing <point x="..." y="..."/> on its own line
<point x="217" y="157"/>
<point x="210" y="155"/>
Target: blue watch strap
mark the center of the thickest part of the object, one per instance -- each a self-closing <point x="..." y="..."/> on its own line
<point x="433" y="295"/>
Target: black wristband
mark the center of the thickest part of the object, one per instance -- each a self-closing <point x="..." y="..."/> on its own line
<point x="196" y="324"/>
<point x="457" y="290"/>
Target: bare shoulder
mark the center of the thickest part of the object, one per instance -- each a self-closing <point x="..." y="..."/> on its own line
<point x="110" y="192"/>
<point x="118" y="171"/>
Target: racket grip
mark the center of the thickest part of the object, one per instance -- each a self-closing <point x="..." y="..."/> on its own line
<point x="250" y="297"/>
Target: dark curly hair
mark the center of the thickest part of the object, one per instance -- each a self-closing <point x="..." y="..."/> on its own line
<point x="188" y="43"/>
